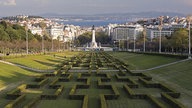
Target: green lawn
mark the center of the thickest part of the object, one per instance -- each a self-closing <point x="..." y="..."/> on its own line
<point x="43" y="62"/>
<point x="142" y="61"/>
<point x="177" y="76"/>
<point x="180" y="74"/>
<point x="10" y="74"/>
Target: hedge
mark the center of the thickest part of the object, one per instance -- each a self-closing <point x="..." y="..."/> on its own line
<point x="155" y="102"/>
<point x="54" y="82"/>
<point x="50" y="75"/>
<point x="53" y="96"/>
<point x="132" y="94"/>
<point x="103" y="101"/>
<point x="38" y="85"/>
<point x="85" y="101"/>
<point x="174" y="103"/>
<point x="59" y="90"/>
<point x="43" y="82"/>
<point x="66" y="79"/>
<point x="72" y="94"/>
<point x="15" y="93"/>
<point x="32" y="102"/>
<point x="149" y="84"/>
<point x="16" y="102"/>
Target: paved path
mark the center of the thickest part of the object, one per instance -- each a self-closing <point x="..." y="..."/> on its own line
<point x="161" y="66"/>
<point x="25" y="67"/>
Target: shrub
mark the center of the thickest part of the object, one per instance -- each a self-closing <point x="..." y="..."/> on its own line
<point x="13" y="94"/>
<point x="174" y="103"/>
<point x="59" y="90"/>
<point x="53" y="82"/>
<point x="85" y="101"/>
<point x="157" y="103"/>
<point x="33" y="102"/>
<point x="103" y="101"/>
<point x="16" y="102"/>
<point x="43" y="82"/>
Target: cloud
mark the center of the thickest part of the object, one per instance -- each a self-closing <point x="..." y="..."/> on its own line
<point x="8" y="2"/>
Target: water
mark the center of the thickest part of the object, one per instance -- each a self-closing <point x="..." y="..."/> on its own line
<point x="93" y="22"/>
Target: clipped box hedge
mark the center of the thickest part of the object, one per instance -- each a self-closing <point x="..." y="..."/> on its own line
<point x="85" y="101"/>
<point x="174" y="103"/>
<point x="103" y="101"/>
<point x="155" y="102"/>
<point x="32" y="102"/>
<point x="16" y="102"/>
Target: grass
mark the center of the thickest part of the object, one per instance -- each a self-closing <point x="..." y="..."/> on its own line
<point x="43" y="62"/>
<point x="179" y="77"/>
<point x="10" y="74"/>
<point x="180" y="74"/>
<point x="142" y="61"/>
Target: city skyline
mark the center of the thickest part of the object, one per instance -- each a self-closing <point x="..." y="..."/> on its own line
<point x="89" y="7"/>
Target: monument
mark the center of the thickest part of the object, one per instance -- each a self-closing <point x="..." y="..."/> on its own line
<point x="93" y="44"/>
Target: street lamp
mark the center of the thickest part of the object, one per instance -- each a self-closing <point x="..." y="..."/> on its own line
<point x="43" y="50"/>
<point x="52" y="43"/>
<point x="160" y="29"/>
<point x="144" y="36"/>
<point x="119" y="44"/>
<point x="134" y="38"/>
<point x="189" y="23"/>
<point x="27" y="43"/>
<point x="42" y="43"/>
<point x="127" y="43"/>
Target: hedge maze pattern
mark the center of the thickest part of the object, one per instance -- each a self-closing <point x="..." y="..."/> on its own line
<point x="93" y="80"/>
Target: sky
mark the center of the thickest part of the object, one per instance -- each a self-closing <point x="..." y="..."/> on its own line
<point x="90" y="7"/>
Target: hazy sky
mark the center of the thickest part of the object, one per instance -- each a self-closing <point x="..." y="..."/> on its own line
<point x="35" y="7"/>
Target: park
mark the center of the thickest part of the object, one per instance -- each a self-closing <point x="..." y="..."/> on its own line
<point x="95" y="79"/>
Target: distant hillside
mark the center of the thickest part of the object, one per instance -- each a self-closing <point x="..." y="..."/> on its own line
<point x="116" y="15"/>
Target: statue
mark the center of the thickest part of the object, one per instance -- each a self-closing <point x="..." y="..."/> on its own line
<point x="93" y="27"/>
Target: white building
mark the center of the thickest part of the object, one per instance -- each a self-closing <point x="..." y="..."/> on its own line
<point x="36" y="30"/>
<point x="56" y="31"/>
<point x="154" y="33"/>
<point x="127" y="32"/>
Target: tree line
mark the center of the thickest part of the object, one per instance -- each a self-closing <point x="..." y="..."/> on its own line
<point x="178" y="42"/>
<point x="13" y="39"/>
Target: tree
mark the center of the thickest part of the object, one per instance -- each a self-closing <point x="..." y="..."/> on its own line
<point x="3" y="34"/>
<point x="84" y="38"/>
<point x="12" y="34"/>
<point x="180" y="40"/>
<point x="102" y="37"/>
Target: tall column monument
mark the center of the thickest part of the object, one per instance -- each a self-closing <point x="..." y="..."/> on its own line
<point x="93" y="42"/>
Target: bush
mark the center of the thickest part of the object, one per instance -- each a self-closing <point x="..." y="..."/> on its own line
<point x="59" y="90"/>
<point x="174" y="103"/>
<point x="85" y="101"/>
<point x="129" y="91"/>
<point x="103" y="101"/>
<point x="33" y="86"/>
<point x="156" y="102"/>
<point x="13" y="94"/>
<point x="53" y="82"/>
<point x="43" y="82"/>
<point x="16" y="102"/>
<point x="32" y="103"/>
